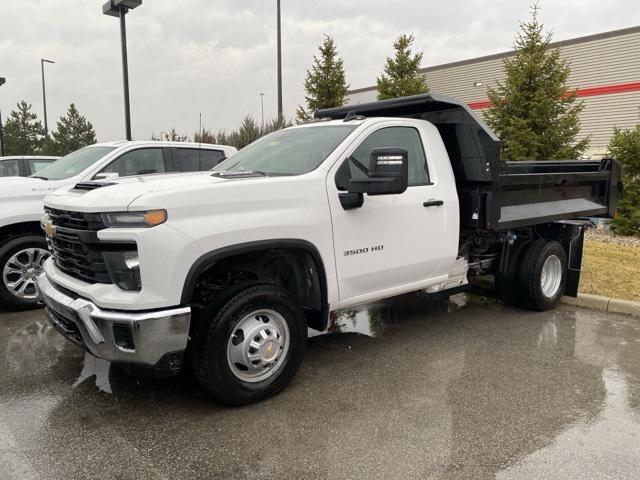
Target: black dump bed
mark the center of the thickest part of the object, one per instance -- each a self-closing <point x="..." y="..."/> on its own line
<point x="499" y="195"/>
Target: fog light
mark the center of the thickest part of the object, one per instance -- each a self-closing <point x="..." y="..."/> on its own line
<point x="124" y="269"/>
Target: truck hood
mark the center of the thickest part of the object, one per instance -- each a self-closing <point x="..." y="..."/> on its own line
<point x="10" y="187"/>
<point x="118" y="194"/>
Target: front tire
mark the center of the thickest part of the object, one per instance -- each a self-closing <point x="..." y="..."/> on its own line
<point x="250" y="347"/>
<point x="543" y="275"/>
<point x="21" y="262"/>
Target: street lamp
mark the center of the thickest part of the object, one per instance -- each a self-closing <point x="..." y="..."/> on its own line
<point x="44" y="95"/>
<point x="119" y="8"/>
<point x="2" y="82"/>
<point x="262" y="109"/>
<point x="279" y="64"/>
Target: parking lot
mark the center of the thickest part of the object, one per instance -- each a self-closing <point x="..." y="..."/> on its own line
<point x="425" y="390"/>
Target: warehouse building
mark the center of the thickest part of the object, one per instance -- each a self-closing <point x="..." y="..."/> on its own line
<point x="605" y="70"/>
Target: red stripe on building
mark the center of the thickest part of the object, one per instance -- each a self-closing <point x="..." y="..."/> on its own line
<point x="580" y="92"/>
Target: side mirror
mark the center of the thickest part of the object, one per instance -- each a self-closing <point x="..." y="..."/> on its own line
<point x="388" y="173"/>
<point x="106" y="176"/>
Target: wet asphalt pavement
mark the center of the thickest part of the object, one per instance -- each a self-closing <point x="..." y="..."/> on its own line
<point x="429" y="391"/>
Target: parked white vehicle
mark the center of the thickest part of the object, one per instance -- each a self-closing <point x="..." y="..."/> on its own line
<point x="24" y="165"/>
<point x="233" y="265"/>
<point x="22" y="243"/>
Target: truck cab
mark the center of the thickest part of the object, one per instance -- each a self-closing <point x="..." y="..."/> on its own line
<point x="231" y="267"/>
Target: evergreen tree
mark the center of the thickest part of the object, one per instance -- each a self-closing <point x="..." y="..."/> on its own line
<point x="325" y="83"/>
<point x="73" y="131"/>
<point x="401" y="77"/>
<point x="248" y="132"/>
<point x="625" y="147"/>
<point x="23" y="133"/>
<point x="532" y="112"/>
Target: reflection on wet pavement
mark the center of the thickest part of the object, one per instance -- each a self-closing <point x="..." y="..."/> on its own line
<point x="98" y="368"/>
<point x="409" y="389"/>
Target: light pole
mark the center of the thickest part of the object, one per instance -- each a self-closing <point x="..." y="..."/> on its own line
<point x="2" y="82"/>
<point x="44" y="95"/>
<point x="279" y="64"/>
<point x="262" y="109"/>
<point x="119" y="8"/>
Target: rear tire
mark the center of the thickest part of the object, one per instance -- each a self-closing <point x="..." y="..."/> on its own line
<point x="507" y="281"/>
<point x="20" y="262"/>
<point x="542" y="275"/>
<point x="236" y="353"/>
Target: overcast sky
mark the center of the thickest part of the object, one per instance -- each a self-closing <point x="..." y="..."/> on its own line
<point x="216" y="56"/>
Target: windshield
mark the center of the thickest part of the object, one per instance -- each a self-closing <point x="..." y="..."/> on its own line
<point x="291" y="151"/>
<point x="74" y="163"/>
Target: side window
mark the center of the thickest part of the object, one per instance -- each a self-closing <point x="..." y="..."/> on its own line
<point x="193" y="160"/>
<point x="210" y="158"/>
<point x="37" y="164"/>
<point x="143" y="161"/>
<point x="357" y="165"/>
<point x="9" y="168"/>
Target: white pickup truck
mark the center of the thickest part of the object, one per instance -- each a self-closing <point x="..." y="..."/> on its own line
<point x="22" y="243"/>
<point x="231" y="267"/>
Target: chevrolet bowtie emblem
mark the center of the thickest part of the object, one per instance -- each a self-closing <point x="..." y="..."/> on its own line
<point x="49" y="229"/>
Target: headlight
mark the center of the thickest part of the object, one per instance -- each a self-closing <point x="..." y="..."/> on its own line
<point x="149" y="218"/>
<point x="124" y="269"/>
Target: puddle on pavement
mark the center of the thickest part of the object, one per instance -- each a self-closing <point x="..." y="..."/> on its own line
<point x="597" y="447"/>
<point x="371" y="319"/>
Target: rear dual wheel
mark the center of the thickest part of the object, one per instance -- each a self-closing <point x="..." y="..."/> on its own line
<point x="535" y="276"/>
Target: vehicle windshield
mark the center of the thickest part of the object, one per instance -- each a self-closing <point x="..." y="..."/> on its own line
<point x="74" y="163"/>
<point x="288" y="152"/>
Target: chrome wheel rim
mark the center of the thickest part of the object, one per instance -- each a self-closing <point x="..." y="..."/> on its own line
<point x="551" y="276"/>
<point x="21" y="270"/>
<point x="258" y="346"/>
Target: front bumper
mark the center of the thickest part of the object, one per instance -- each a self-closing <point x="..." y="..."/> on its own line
<point x="153" y="338"/>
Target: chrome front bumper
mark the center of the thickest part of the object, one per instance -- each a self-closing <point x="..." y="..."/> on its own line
<point x="143" y="338"/>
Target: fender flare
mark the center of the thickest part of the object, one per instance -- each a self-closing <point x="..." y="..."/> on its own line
<point x="208" y="259"/>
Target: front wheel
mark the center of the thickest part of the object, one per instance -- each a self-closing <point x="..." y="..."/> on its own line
<point x="250" y="347"/>
<point x="21" y="261"/>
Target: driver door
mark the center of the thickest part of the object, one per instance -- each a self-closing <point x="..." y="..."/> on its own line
<point x="392" y="243"/>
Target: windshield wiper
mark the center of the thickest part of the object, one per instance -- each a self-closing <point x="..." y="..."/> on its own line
<point x="40" y="177"/>
<point x="240" y="173"/>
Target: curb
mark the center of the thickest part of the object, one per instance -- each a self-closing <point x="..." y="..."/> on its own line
<point x="604" y="304"/>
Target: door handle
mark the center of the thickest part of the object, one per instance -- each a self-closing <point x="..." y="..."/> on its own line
<point x="433" y="203"/>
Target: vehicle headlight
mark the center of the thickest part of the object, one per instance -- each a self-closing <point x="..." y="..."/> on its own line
<point x="150" y="218"/>
<point x="124" y="269"/>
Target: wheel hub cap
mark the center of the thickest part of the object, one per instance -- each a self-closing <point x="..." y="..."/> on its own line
<point x="21" y="270"/>
<point x="551" y="276"/>
<point x="258" y="345"/>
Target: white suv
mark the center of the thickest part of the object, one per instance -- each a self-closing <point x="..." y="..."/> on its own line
<point x="22" y="244"/>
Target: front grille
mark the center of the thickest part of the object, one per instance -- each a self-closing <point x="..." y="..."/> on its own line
<point x="75" y="247"/>
<point x="76" y="220"/>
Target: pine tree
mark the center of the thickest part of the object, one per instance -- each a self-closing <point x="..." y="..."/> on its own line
<point x="73" y="131"/>
<point x="532" y="112"/>
<point x="625" y="147"/>
<point x="401" y="77"/>
<point x="248" y="132"/>
<point x="23" y="133"/>
<point x="325" y="83"/>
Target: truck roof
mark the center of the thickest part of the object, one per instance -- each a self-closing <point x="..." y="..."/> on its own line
<point x="159" y="143"/>
<point x="470" y="143"/>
